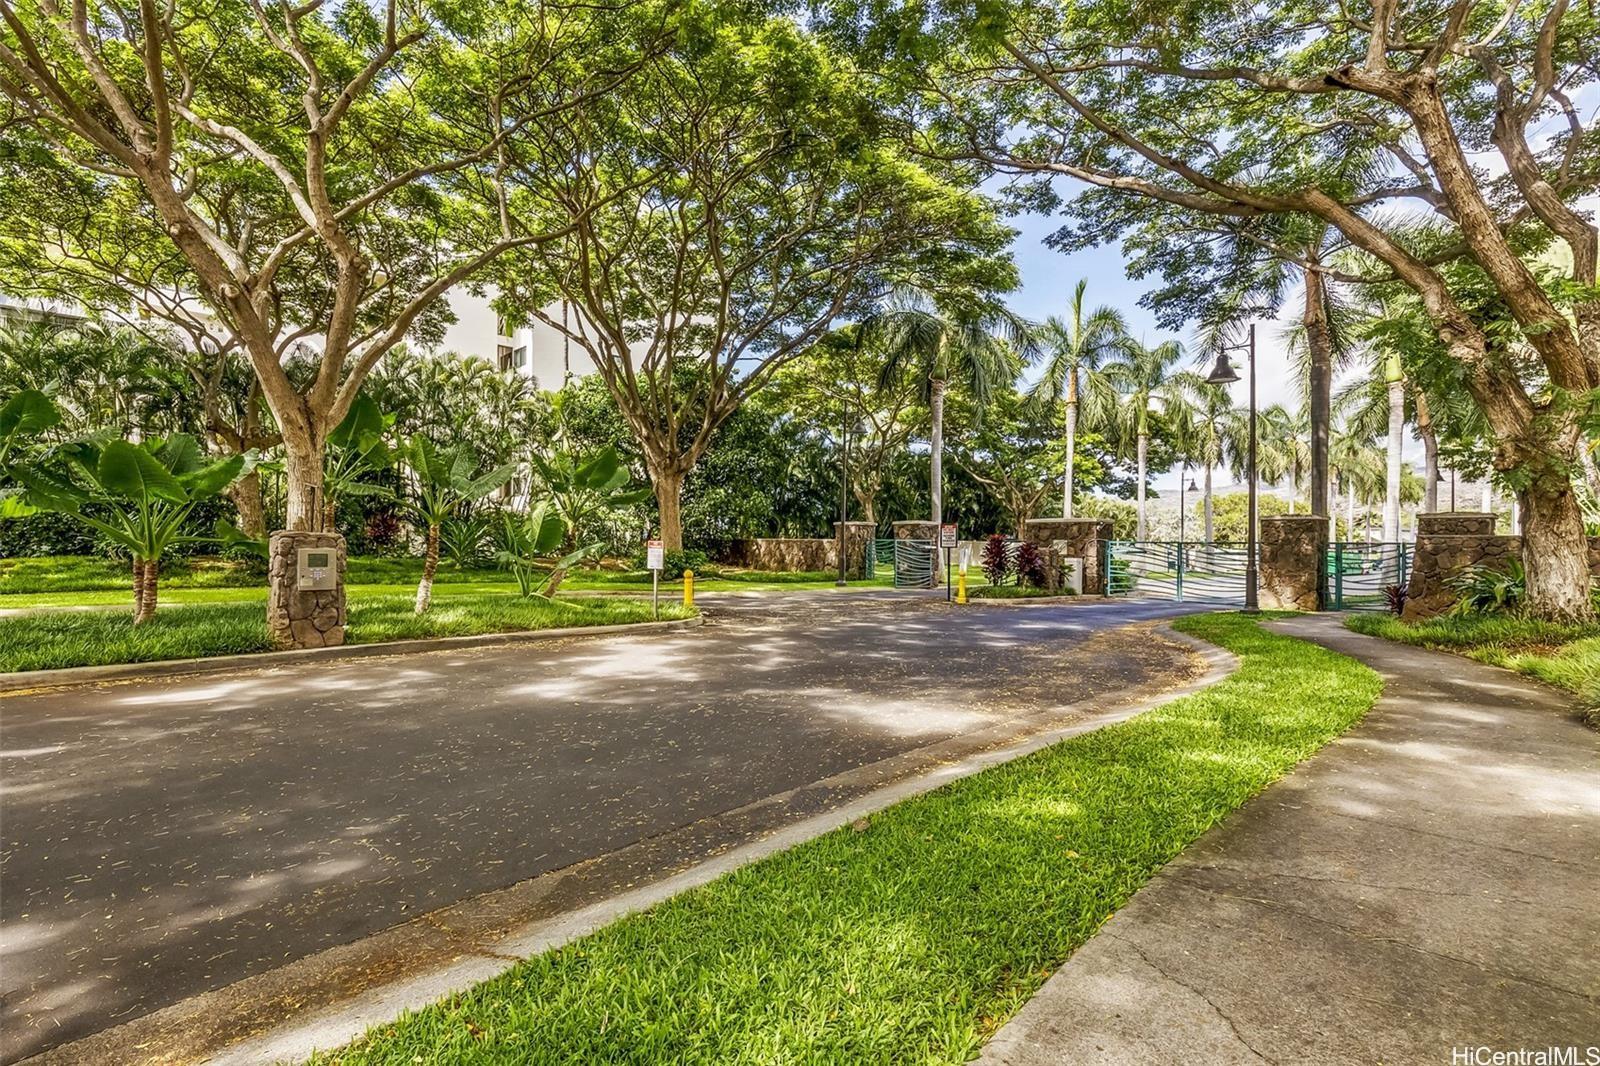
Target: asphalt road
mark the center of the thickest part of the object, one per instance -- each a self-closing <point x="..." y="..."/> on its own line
<point x="164" y="838"/>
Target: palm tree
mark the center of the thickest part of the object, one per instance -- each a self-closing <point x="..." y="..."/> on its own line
<point x="1141" y="376"/>
<point x="1077" y="344"/>
<point x="1217" y="434"/>
<point x="1375" y="405"/>
<point x="1359" y="470"/>
<point x="978" y="342"/>
<point x="1286" y="449"/>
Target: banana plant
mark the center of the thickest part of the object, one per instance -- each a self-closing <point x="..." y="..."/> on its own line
<point x="527" y="543"/>
<point x="581" y="489"/>
<point x="445" y="480"/>
<point x="23" y="417"/>
<point x="145" y="492"/>
<point x="356" y="450"/>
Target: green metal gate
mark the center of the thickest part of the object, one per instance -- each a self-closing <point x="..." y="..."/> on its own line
<point x="1360" y="574"/>
<point x="913" y="564"/>
<point x="1177" y="570"/>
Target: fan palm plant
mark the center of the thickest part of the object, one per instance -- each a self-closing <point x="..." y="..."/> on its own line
<point x="978" y="342"/>
<point x="1144" y="379"/>
<point x="1076" y="345"/>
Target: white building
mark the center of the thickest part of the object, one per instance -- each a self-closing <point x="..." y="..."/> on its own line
<point x="537" y="350"/>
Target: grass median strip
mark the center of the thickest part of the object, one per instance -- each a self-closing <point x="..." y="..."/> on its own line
<point x="1567" y="656"/>
<point x="915" y="937"/>
<point x="98" y="638"/>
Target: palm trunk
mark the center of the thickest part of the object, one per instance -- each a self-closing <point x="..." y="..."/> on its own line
<point x="1072" y="443"/>
<point x="936" y="441"/>
<point x="330" y="515"/>
<point x="430" y="566"/>
<point x="1209" y="514"/>
<point x="1350" y="510"/>
<point x="147" y="592"/>
<point x="138" y="590"/>
<point x="668" y="485"/>
<point x="1143" y="449"/>
<point x="1319" y="345"/>
<point x="1391" y="485"/>
<point x="553" y="582"/>
<point x="1430" y="454"/>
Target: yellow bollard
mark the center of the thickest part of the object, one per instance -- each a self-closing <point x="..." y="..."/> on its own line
<point x="961" y="587"/>
<point x="688" y="588"/>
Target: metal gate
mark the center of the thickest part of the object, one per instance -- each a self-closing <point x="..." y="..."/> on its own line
<point x="1360" y="574"/>
<point x="1177" y="570"/>
<point x="913" y="564"/>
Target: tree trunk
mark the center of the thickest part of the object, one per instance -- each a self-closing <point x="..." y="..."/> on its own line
<point x="430" y="566"/>
<point x="1350" y="510"/>
<point x="668" y="486"/>
<point x="247" y="500"/>
<point x="1144" y="448"/>
<point x="1072" y="442"/>
<point x="936" y="440"/>
<point x="1555" y="552"/>
<point x="1391" y="483"/>
<point x="1319" y="345"/>
<point x="303" y="490"/>
<point x="553" y="582"/>
<point x="1209" y="514"/>
<point x="330" y="515"/>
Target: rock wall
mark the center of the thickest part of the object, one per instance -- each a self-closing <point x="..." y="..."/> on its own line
<point x="296" y="618"/>
<point x="805" y="553"/>
<point x="1292" y="558"/>
<point x="1071" y="538"/>
<point x="1450" y="541"/>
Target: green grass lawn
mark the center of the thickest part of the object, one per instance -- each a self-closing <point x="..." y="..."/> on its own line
<point x="93" y="638"/>
<point x="79" y="581"/>
<point x="913" y="940"/>
<point x="1567" y="656"/>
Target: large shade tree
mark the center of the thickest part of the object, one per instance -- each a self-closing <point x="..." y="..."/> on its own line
<point x="1221" y="108"/>
<point x="736" y="204"/>
<point x="286" y="174"/>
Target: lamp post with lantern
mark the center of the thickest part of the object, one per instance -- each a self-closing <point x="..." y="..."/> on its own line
<point x="1224" y="374"/>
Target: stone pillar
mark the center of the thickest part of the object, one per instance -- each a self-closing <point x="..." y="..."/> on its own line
<point x="1293" y="562"/>
<point x="1447" y="541"/>
<point x="1071" y="538"/>
<point x="299" y="618"/>
<point x="928" y="531"/>
<point x="857" y="536"/>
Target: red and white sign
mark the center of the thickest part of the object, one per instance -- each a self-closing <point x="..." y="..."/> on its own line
<point x="947" y="536"/>
<point x="655" y="555"/>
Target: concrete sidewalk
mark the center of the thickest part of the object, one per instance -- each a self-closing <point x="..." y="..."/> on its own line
<point x="1428" y="882"/>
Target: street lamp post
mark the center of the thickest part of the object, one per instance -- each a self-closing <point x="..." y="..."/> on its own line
<point x="1223" y="374"/>
<point x="1183" y="510"/>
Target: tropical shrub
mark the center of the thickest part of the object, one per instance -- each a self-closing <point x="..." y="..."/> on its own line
<point x="1030" y="565"/>
<point x="1488" y="589"/>
<point x="1394" y="597"/>
<point x="996" y="559"/>
<point x="465" y="539"/>
<point x="142" y="495"/>
<point x="445" y="480"/>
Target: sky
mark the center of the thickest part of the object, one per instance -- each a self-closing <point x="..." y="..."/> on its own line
<point x="1048" y="278"/>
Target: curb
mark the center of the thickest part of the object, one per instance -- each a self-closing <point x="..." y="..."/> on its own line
<point x="337" y="1023"/>
<point x="29" y="681"/>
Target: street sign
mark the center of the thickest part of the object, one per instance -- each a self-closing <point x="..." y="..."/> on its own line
<point x="655" y="555"/>
<point x="947" y="536"/>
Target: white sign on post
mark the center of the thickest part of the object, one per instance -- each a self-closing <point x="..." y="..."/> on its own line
<point x="655" y="555"/>
<point x="947" y="536"/>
